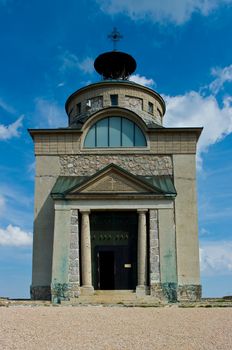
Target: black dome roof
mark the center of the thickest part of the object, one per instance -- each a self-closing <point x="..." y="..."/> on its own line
<point x="115" y="65"/>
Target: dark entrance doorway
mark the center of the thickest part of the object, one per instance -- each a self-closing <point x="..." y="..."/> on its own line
<point x="114" y="249"/>
<point x="106" y="269"/>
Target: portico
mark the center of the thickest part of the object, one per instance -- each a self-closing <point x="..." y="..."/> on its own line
<point x="111" y="226"/>
<point x="117" y="244"/>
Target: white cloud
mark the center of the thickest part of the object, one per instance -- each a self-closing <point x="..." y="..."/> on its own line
<point x="72" y="62"/>
<point x="194" y="110"/>
<point x="31" y="171"/>
<point x="204" y="232"/>
<point x="16" y="204"/>
<point x="178" y="11"/>
<point x="222" y="75"/>
<point x="14" y="236"/>
<point x="6" y="106"/>
<point x="86" y="65"/>
<point x="15" y="194"/>
<point x="49" y="113"/>
<point x="61" y="84"/>
<point x="31" y="167"/>
<point x="12" y="130"/>
<point x="142" y="80"/>
<point x="216" y="258"/>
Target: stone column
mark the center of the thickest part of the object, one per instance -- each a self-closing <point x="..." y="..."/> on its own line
<point x="86" y="266"/>
<point x="142" y="253"/>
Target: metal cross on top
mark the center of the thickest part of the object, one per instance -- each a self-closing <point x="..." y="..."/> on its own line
<point x="115" y="36"/>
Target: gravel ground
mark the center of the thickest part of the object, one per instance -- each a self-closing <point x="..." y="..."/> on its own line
<point x="111" y="328"/>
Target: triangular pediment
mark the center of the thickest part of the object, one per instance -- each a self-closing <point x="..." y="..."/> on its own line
<point x="113" y="179"/>
<point x="113" y="182"/>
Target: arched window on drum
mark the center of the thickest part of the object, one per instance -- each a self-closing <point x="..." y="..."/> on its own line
<point x="115" y="132"/>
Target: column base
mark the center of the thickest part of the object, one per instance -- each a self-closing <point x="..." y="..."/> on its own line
<point x="141" y="291"/>
<point x="87" y="290"/>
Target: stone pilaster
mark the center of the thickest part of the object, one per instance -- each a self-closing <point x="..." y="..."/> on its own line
<point x="154" y="247"/>
<point x="86" y="266"/>
<point x="155" y="283"/>
<point x="60" y="261"/>
<point x="74" y="259"/>
<point x="142" y="253"/>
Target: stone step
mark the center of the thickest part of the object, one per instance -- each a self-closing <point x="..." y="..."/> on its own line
<point x="112" y="298"/>
<point x="114" y="292"/>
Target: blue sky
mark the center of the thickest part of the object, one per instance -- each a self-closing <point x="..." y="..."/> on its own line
<point x="183" y="49"/>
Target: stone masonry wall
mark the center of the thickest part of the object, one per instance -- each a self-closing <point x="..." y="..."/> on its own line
<point x="160" y="143"/>
<point x="82" y="165"/>
<point x="124" y="92"/>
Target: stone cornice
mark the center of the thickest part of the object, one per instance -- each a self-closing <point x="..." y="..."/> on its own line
<point x="195" y="130"/>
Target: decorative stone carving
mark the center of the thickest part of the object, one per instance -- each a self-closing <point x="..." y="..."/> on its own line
<point x="86" y="165"/>
<point x="96" y="102"/>
<point x="133" y="102"/>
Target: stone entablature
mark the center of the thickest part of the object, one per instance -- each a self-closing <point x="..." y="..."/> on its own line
<point x="81" y="165"/>
<point x="89" y="100"/>
<point x="165" y="141"/>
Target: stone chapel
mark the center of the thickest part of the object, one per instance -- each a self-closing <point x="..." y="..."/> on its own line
<point x="115" y="195"/>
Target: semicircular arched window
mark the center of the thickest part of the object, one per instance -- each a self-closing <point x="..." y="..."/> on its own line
<point x="115" y="132"/>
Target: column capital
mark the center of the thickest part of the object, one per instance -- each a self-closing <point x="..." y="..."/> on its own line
<point x="142" y="210"/>
<point x="85" y="211"/>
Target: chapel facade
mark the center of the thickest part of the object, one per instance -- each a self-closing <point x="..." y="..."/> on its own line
<point x="115" y="195"/>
